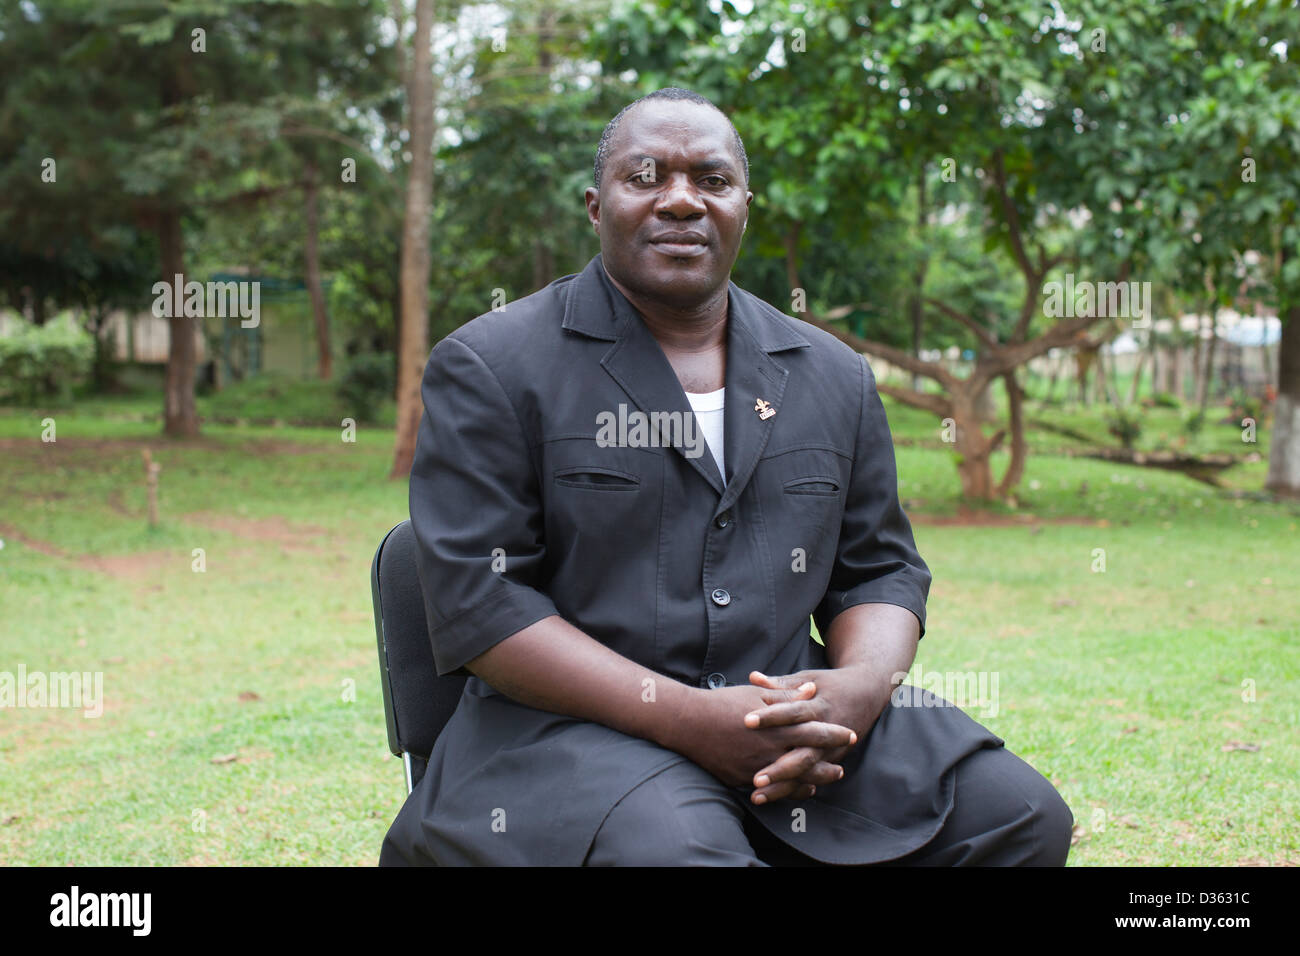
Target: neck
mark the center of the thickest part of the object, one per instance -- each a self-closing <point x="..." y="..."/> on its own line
<point x="696" y="328"/>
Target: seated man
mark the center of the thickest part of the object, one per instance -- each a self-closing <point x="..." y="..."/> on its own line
<point x="635" y="612"/>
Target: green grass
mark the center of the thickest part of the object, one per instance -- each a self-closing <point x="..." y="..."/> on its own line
<point x="1121" y="686"/>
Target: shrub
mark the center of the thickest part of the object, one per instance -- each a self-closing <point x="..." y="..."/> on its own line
<point x="1124" y="424"/>
<point x="1245" y="406"/>
<point x="366" y="384"/>
<point x="1194" y="422"/>
<point x="1166" y="400"/>
<point x="42" y="363"/>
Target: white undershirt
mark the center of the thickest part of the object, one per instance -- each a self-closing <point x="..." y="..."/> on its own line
<point x="708" y="408"/>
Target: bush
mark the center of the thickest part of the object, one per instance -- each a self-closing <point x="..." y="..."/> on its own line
<point x="1245" y="406"/>
<point x="1194" y="422"/>
<point x="1124" y="424"/>
<point x="272" y="397"/>
<point x="366" y="384"/>
<point x="1166" y="400"/>
<point x="42" y="363"/>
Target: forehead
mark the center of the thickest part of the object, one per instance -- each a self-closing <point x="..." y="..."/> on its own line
<point x="673" y="130"/>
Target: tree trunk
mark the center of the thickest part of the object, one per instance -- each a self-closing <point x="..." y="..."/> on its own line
<point x="918" y="278"/>
<point x="1138" y="369"/>
<point x="1207" y="374"/>
<point x="1176" y="366"/>
<point x="180" y="415"/>
<point x="311" y="265"/>
<point x="1019" y="448"/>
<point x="1198" y="361"/>
<point x="973" y="450"/>
<point x="1084" y="359"/>
<point x="1051" y="384"/>
<point x="1284" y="456"/>
<point x="413" y="336"/>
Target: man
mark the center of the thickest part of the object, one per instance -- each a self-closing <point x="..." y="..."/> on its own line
<point x="635" y="612"/>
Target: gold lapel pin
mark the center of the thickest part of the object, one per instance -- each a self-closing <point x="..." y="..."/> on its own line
<point x="764" y="409"/>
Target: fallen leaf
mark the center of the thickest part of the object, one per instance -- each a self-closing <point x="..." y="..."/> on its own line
<point x="248" y="695"/>
<point x="1077" y="833"/>
<point x="1129" y="730"/>
<point x="1238" y="745"/>
<point x="226" y="758"/>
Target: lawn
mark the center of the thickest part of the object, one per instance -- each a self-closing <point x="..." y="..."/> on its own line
<point x="242" y="718"/>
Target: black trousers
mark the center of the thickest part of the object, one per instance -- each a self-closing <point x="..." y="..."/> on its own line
<point x="1005" y="813"/>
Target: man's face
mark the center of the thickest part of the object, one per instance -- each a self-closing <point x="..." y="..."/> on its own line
<point x="672" y="204"/>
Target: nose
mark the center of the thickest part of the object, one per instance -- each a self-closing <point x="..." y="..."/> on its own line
<point x="680" y="199"/>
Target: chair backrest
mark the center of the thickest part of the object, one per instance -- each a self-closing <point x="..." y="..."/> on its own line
<point x="417" y="702"/>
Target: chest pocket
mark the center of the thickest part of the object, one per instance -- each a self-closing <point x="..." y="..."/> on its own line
<point x="596" y="478"/>
<point x="601" y="500"/>
<point x="804" y="489"/>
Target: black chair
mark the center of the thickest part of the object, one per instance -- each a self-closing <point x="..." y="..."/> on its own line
<point x="417" y="702"/>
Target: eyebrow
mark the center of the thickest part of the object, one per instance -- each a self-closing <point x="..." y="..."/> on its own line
<point x="703" y="165"/>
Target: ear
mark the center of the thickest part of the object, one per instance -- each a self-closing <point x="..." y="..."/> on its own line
<point x="592" y="197"/>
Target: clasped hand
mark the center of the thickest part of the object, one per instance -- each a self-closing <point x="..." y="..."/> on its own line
<point x="794" y="728"/>
<point x="828" y="696"/>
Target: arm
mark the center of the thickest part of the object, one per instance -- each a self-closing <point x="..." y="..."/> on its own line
<point x="554" y="666"/>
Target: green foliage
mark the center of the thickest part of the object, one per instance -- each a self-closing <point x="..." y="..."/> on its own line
<point x="1194" y="422"/>
<point x="1243" y="405"/>
<point x="1166" y="400"/>
<point x="1125" y="424"/>
<point x="274" y="399"/>
<point x="366" y="384"/>
<point x="42" y="363"/>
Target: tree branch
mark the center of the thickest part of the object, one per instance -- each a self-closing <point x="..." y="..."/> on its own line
<point x="1012" y="216"/>
<point x="857" y="343"/>
<point x="937" y="404"/>
<point x="982" y="333"/>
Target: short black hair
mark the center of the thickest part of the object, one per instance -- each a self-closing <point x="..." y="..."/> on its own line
<point x="668" y="93"/>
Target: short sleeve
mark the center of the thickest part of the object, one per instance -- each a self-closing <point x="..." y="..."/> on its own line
<point x="475" y="511"/>
<point x="876" y="560"/>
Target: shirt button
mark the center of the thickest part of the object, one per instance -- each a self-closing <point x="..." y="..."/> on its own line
<point x="723" y="519"/>
<point x="720" y="597"/>
<point x="717" y="681"/>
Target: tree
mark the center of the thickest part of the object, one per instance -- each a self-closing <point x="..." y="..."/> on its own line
<point x="413" y="333"/>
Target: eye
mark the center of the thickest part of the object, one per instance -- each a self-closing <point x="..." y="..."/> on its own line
<point x="720" y="181"/>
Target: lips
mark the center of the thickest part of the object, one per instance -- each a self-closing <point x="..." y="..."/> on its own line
<point x="681" y="245"/>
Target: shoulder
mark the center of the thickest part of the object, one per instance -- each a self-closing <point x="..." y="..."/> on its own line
<point x="811" y="348"/>
<point x="516" y="329"/>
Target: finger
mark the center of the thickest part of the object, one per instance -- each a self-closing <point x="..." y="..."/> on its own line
<point x="792" y="789"/>
<point x="791" y="712"/>
<point x="778" y="681"/>
<point x="820" y="775"/>
<point x="816" y="770"/>
<point x="817" y="733"/>
<point x="783" y="695"/>
<point x="789" y="766"/>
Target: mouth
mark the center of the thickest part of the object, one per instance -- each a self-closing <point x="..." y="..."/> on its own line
<point x="680" y="249"/>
